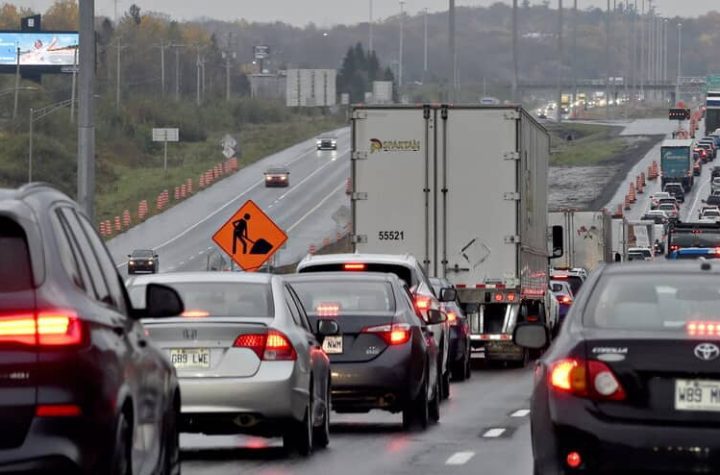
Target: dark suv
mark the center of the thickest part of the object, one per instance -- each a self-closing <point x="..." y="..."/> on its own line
<point x="143" y="260"/>
<point x="676" y="191"/>
<point x="79" y="380"/>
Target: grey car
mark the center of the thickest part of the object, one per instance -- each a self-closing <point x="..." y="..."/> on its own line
<point x="246" y="355"/>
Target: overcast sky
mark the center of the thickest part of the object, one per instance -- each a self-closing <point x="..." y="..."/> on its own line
<point x="331" y="12"/>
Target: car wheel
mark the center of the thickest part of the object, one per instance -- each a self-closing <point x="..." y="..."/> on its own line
<point x="458" y="371"/>
<point x="415" y="414"/>
<point x="300" y="435"/>
<point x="468" y="364"/>
<point x="524" y="360"/>
<point x="321" y="437"/>
<point x="120" y="460"/>
<point x="445" y="381"/>
<point x="434" y="405"/>
<point x="171" y="449"/>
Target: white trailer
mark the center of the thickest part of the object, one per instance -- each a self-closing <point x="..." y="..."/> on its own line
<point x="587" y="237"/>
<point x="464" y="189"/>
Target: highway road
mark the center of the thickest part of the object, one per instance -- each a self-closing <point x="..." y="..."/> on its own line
<point x="305" y="209"/>
<point x="484" y="429"/>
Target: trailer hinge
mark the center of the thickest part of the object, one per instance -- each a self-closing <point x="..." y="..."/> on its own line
<point x="359" y="114"/>
<point x="444" y="112"/>
<point x="511" y="196"/>
<point x="512" y="239"/>
<point x="426" y="111"/>
<point x="359" y="156"/>
<point x="512" y="115"/>
<point x="444" y="190"/>
<point x="511" y="155"/>
<point x="359" y="196"/>
<point x="359" y="239"/>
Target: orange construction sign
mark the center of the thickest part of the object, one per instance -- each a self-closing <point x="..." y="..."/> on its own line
<point x="250" y="237"/>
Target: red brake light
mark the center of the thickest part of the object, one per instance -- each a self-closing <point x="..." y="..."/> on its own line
<point x="498" y="297"/>
<point x="195" y="314"/>
<point x="593" y="379"/>
<point x="327" y="310"/>
<point x="510" y="297"/>
<point x="565" y="299"/>
<point x="57" y="410"/>
<point x="422" y="302"/>
<point x="573" y="460"/>
<point x="704" y="329"/>
<point x="271" y="346"/>
<point x="356" y="267"/>
<point x="395" y="334"/>
<point x="46" y="328"/>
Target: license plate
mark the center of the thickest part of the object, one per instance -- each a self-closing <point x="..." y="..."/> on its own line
<point x="697" y="395"/>
<point x="333" y="345"/>
<point x="190" y="358"/>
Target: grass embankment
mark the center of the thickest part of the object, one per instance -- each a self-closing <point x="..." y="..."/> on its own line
<point x="133" y="183"/>
<point x="584" y="145"/>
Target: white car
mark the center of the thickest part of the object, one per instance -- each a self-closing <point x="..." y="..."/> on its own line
<point x="640" y="254"/>
<point x="712" y="214"/>
<point x="655" y="198"/>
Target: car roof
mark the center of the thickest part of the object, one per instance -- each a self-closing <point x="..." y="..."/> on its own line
<point x="402" y="259"/>
<point x="204" y="277"/>
<point x="662" y="266"/>
<point x="341" y="276"/>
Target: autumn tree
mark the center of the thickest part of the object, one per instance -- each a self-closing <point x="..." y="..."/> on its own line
<point x="62" y="15"/>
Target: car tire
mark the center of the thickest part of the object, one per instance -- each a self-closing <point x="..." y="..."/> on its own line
<point x="523" y="362"/>
<point x="119" y="461"/>
<point x="459" y="371"/>
<point x="445" y="381"/>
<point x="300" y="436"/>
<point x="468" y="363"/>
<point x="415" y="414"/>
<point x="321" y="436"/>
<point x="171" y="449"/>
<point x="434" y="406"/>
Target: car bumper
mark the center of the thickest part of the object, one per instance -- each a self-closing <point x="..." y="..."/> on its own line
<point x="615" y="447"/>
<point x="58" y="445"/>
<point x="327" y="147"/>
<point x="277" y="391"/>
<point x="276" y="184"/>
<point x="501" y="350"/>
<point x="142" y="268"/>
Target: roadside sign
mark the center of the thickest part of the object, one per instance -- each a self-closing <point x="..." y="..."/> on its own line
<point x="679" y="114"/>
<point x="250" y="237"/>
<point x="165" y="135"/>
<point x="261" y="52"/>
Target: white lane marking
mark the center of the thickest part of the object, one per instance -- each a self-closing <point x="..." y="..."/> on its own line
<point x="459" y="458"/>
<point x="494" y="433"/>
<point x="520" y="413"/>
<point x="270" y="206"/>
<point x="181" y="263"/>
<point x="234" y="200"/>
<point x="315" y="208"/>
<point x="698" y="195"/>
<point x="209" y="248"/>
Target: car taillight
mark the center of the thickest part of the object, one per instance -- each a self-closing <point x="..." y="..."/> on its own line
<point x="45" y="328"/>
<point x="590" y="379"/>
<point x="355" y="267"/>
<point x="452" y="318"/>
<point x="565" y="299"/>
<point x="57" y="410"/>
<point x="270" y="346"/>
<point x="704" y="329"/>
<point x="327" y="310"/>
<point x="395" y="334"/>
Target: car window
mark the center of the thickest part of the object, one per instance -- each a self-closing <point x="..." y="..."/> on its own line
<point x="16" y="268"/>
<point x="70" y="256"/>
<point x="654" y="302"/>
<point x="106" y="264"/>
<point x="74" y="228"/>
<point x="301" y="310"/>
<point x="143" y="254"/>
<point x="292" y="307"/>
<point x="358" y="298"/>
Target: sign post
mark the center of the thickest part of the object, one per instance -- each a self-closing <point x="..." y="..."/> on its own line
<point x="165" y="136"/>
<point x="250" y="237"/>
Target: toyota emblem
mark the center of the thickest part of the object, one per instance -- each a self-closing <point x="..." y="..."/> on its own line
<point x="707" y="351"/>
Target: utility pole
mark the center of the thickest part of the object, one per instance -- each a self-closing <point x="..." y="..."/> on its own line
<point x="86" y="118"/>
<point x="425" y="49"/>
<point x="74" y="86"/>
<point x="402" y="40"/>
<point x="17" y="83"/>
<point x="162" y="66"/>
<point x="30" y="147"/>
<point x="177" y="69"/>
<point x="642" y="51"/>
<point x="634" y="55"/>
<point x="679" y="62"/>
<point x="452" y="79"/>
<point x="370" y="27"/>
<point x="198" y="78"/>
<point x="574" y="53"/>
<point x="665" y="57"/>
<point x="607" y="61"/>
<point x="561" y="63"/>
<point x="119" y="47"/>
<point x="514" y="52"/>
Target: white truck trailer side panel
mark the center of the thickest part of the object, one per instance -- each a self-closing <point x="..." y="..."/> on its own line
<point x="588" y="238"/>
<point x="392" y="182"/>
<point x="479" y="211"/>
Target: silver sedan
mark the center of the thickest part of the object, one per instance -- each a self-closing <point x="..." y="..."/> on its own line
<point x="246" y="355"/>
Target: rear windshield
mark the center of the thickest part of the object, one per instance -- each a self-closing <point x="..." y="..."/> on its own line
<point x="15" y="267"/>
<point x="654" y="301"/>
<point x="217" y="299"/>
<point x="344" y="298"/>
<point x="574" y="281"/>
<point x="402" y="272"/>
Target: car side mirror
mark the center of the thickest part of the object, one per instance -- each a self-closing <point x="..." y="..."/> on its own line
<point x="326" y="327"/>
<point x="435" y="317"/>
<point x="448" y="294"/>
<point x="161" y="301"/>
<point x="531" y="336"/>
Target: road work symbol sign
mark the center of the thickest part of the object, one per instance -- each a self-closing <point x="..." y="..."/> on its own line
<point x="250" y="237"/>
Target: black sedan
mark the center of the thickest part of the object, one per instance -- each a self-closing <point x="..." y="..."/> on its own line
<point x="82" y="389"/>
<point x="384" y="357"/>
<point x="143" y="260"/>
<point x="459" y="353"/>
<point x="632" y="383"/>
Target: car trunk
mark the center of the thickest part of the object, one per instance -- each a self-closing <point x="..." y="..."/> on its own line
<point x="204" y="348"/>
<point x="661" y="375"/>
<point x="356" y="346"/>
<point x="18" y="378"/>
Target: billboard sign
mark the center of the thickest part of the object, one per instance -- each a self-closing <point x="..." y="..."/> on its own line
<point x="261" y="52"/>
<point x="47" y="51"/>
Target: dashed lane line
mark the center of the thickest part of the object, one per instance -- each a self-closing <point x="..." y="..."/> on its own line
<point x="494" y="433"/>
<point x="520" y="413"/>
<point x="459" y="458"/>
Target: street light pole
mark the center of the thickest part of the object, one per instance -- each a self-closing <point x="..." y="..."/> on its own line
<point x="679" y="63"/>
<point x="74" y="86"/>
<point x="607" y="61"/>
<point x="17" y="84"/>
<point x="402" y="40"/>
<point x="86" y="118"/>
<point x="162" y="66"/>
<point x="370" y="27"/>
<point x="665" y="57"/>
<point x="198" y="79"/>
<point x="452" y="79"/>
<point x="30" y="147"/>
<point x="514" y="51"/>
<point x="425" y="49"/>
<point x="561" y="63"/>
